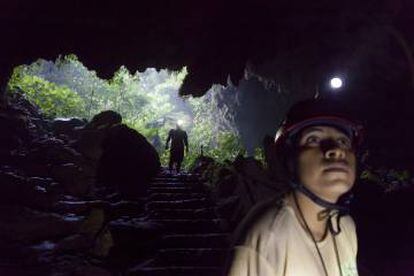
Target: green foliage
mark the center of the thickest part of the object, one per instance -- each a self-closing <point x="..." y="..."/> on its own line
<point x="125" y="97"/>
<point x="259" y="155"/>
<point x="389" y="179"/>
<point x="148" y="102"/>
<point x="54" y="100"/>
<point x="228" y="147"/>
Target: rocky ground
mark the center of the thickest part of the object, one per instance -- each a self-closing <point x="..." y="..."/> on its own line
<point x="64" y="184"/>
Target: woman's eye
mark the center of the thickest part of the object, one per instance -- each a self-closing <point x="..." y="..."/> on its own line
<point x="312" y="139"/>
<point x="344" y="142"/>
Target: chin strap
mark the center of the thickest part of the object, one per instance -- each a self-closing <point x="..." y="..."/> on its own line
<point x="331" y="209"/>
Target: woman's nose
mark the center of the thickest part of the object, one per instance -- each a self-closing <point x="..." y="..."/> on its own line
<point x="332" y="150"/>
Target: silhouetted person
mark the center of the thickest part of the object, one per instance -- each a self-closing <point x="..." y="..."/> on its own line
<point x="178" y="138"/>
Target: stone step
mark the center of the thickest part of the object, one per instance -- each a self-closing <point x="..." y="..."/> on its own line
<point x="171" y="189"/>
<point x="189" y="188"/>
<point x="176" y="271"/>
<point x="206" y="213"/>
<point x="191" y="256"/>
<point x="173" y="204"/>
<point x="193" y="226"/>
<point x="181" y="175"/>
<point x="174" y="180"/>
<point x="165" y="178"/>
<point x="175" y="196"/>
<point x="170" y="185"/>
<point x="211" y="240"/>
<point x="177" y="184"/>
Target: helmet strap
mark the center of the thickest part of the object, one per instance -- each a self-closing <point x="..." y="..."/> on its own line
<point x="316" y="199"/>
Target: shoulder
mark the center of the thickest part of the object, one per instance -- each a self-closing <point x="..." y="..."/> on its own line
<point x="248" y="262"/>
<point x="348" y="225"/>
<point x="262" y="246"/>
<point x="261" y="222"/>
<point x="348" y="233"/>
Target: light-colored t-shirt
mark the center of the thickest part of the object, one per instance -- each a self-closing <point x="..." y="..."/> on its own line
<point x="278" y="245"/>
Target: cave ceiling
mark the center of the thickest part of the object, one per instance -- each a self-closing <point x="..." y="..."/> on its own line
<point x="214" y="39"/>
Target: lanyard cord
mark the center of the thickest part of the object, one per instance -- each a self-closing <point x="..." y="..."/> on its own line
<point x="338" y="260"/>
<point x="329" y="226"/>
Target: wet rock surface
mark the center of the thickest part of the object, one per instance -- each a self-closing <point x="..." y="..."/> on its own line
<point x="68" y="127"/>
<point x="55" y="219"/>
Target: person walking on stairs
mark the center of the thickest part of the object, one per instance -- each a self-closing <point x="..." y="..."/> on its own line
<point x="179" y="141"/>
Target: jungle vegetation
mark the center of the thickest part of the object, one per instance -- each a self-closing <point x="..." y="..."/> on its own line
<point x="148" y="102"/>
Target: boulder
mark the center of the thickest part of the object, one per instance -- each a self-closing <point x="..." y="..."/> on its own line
<point x="34" y="123"/>
<point x="105" y="119"/>
<point x="70" y="265"/>
<point x="73" y="244"/>
<point x="93" y="236"/>
<point x="32" y="192"/>
<point x="25" y="225"/>
<point x="80" y="207"/>
<point x="128" y="161"/>
<point x="127" y="208"/>
<point x="73" y="180"/>
<point x="52" y="151"/>
<point x="93" y="133"/>
<point x="78" y="243"/>
<point x="93" y="223"/>
<point x="133" y="240"/>
<point x="67" y="126"/>
<point x="89" y="144"/>
<point x="44" y="153"/>
<point x="13" y="129"/>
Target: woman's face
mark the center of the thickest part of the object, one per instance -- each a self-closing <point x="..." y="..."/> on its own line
<point x="326" y="161"/>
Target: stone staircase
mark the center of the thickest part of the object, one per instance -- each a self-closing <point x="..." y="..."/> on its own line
<point x="194" y="241"/>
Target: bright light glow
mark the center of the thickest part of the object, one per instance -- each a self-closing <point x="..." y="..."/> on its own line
<point x="336" y="83"/>
<point x="180" y="122"/>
